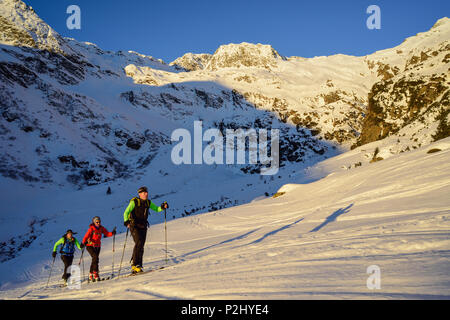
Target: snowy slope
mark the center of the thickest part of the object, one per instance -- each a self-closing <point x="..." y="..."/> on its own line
<point x="316" y="240"/>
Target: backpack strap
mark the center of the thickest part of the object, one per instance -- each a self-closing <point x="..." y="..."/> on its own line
<point x="137" y="203"/>
<point x="138" y="200"/>
<point x="64" y="245"/>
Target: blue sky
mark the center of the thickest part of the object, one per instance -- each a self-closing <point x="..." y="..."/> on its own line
<point x="168" y="29"/>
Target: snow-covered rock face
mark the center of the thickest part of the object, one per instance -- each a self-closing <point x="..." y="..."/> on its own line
<point x="192" y="62"/>
<point x="413" y="101"/>
<point x="244" y="55"/>
<point x="20" y="26"/>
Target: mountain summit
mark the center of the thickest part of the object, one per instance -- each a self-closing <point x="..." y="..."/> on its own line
<point x="21" y="26"/>
<point x="231" y="56"/>
<point x="244" y="55"/>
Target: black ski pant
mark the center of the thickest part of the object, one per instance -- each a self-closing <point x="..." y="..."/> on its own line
<point x="95" y="253"/>
<point x="139" y="235"/>
<point x="67" y="260"/>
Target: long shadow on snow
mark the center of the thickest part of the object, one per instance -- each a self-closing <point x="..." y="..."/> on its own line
<point x="242" y="236"/>
<point x="271" y="233"/>
<point x="332" y="217"/>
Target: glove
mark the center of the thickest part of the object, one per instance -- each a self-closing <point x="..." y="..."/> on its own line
<point x="164" y="205"/>
<point x="82" y="245"/>
<point x="126" y="223"/>
<point x="54" y="254"/>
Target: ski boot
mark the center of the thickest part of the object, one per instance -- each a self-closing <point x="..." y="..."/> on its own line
<point x="65" y="277"/>
<point x="96" y="277"/>
<point x="136" y="269"/>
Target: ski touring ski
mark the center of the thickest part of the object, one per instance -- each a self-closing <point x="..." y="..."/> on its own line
<point x="101" y="279"/>
<point x="144" y="272"/>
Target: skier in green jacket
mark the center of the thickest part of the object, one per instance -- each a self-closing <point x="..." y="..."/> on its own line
<point x="135" y="217"/>
<point x="67" y="244"/>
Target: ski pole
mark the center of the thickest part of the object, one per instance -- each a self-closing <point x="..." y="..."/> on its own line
<point x="112" y="268"/>
<point x="165" y="231"/>
<point x="81" y="259"/>
<point x="147" y="238"/>
<point x="50" y="271"/>
<point x="123" y="252"/>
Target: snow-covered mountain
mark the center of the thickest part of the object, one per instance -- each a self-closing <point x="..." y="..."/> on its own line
<point x="332" y="95"/>
<point x="57" y="90"/>
<point x="74" y="116"/>
<point x="231" y="56"/>
<point x="89" y="90"/>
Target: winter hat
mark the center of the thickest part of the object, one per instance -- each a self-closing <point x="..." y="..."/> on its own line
<point x="69" y="231"/>
<point x="142" y="189"/>
<point x="96" y="218"/>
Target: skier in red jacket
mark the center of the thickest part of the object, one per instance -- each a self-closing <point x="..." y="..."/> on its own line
<point x="92" y="241"/>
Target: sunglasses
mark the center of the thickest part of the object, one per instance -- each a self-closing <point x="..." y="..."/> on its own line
<point x="97" y="221"/>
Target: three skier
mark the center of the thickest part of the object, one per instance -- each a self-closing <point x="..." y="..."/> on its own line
<point x="136" y="219"/>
